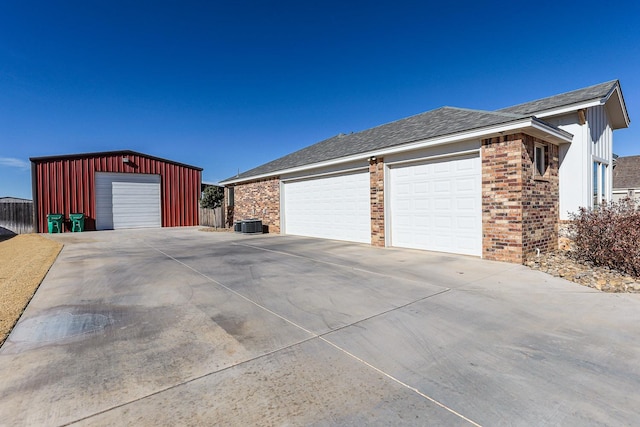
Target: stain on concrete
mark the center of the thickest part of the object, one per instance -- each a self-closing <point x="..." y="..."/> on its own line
<point x="58" y="326"/>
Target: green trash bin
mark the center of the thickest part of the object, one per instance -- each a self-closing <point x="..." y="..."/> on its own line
<point x="77" y="221"/>
<point x="55" y="222"/>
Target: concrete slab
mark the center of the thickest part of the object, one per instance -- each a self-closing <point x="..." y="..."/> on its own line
<point x="308" y="384"/>
<point x="177" y="326"/>
<point x="565" y="362"/>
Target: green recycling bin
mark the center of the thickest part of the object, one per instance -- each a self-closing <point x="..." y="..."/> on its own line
<point x="77" y="222"/>
<point x="55" y="223"/>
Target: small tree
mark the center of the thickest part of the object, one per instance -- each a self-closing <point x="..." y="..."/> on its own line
<point x="212" y="198"/>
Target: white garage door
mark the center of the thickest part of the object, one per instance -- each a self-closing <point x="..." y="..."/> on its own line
<point x="127" y="200"/>
<point x="437" y="206"/>
<point x="332" y="207"/>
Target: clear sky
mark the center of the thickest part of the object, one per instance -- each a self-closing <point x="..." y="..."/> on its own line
<point x="229" y="85"/>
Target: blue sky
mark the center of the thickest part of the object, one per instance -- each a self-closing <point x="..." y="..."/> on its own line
<point x="227" y="86"/>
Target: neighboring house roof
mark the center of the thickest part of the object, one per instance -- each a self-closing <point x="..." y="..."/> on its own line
<point x="432" y="124"/>
<point x="448" y="121"/>
<point x="626" y="173"/>
<point x="108" y="153"/>
<point x="14" y="200"/>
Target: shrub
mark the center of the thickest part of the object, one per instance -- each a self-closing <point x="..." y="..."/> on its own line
<point x="609" y="235"/>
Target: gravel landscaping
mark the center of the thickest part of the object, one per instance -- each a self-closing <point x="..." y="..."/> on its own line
<point x="564" y="264"/>
<point x="26" y="259"/>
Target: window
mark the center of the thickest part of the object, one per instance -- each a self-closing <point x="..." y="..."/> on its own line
<point x="230" y="196"/>
<point x="540" y="160"/>
<point x="599" y="182"/>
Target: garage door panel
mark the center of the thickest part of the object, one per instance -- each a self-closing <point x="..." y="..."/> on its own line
<point x="448" y="216"/>
<point x="334" y="207"/>
<point x="463" y="185"/>
<point x="442" y="205"/>
<point x="442" y="222"/>
<point x="441" y="168"/>
<point x="126" y="200"/>
<point x="466" y="204"/>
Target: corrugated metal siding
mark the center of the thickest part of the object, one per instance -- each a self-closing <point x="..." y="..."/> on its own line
<point x="68" y="186"/>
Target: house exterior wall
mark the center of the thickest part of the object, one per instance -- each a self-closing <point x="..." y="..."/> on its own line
<point x="258" y="200"/>
<point x="67" y="185"/>
<point x="574" y="167"/>
<point x="592" y="140"/>
<point x="601" y="138"/>
<point x="540" y="215"/>
<point x="519" y="211"/>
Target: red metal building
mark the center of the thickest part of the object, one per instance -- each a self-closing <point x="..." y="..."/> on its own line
<point x="115" y="189"/>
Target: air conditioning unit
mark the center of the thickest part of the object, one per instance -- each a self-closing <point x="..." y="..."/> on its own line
<point x="249" y="226"/>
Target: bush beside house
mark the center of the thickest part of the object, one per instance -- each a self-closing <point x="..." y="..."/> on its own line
<point x="609" y="235"/>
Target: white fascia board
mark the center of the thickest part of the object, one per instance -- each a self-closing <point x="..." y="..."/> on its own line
<point x="555" y="135"/>
<point x="552" y="134"/>
<point x="568" y="108"/>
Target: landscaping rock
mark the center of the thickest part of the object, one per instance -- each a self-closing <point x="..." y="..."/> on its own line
<point x="563" y="264"/>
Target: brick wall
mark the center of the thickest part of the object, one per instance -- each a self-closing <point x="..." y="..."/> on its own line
<point x="376" y="180"/>
<point x="502" y="199"/>
<point x="258" y="200"/>
<point x="519" y="210"/>
<point x="540" y="216"/>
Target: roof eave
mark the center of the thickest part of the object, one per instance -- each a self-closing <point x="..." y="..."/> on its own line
<point x="571" y="108"/>
<point x="530" y="125"/>
<point x="616" y="108"/>
<point x="109" y="153"/>
<point x="613" y="102"/>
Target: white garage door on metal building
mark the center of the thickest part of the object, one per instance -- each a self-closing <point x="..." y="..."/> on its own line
<point x="331" y="207"/>
<point x="127" y="200"/>
<point x="437" y="205"/>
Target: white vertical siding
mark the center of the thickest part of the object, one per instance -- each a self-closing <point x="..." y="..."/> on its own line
<point x="575" y="165"/>
<point x="601" y="142"/>
<point x="591" y="141"/>
<point x="600" y="133"/>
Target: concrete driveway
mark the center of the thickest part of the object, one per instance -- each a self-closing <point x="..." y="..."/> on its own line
<point x="181" y="327"/>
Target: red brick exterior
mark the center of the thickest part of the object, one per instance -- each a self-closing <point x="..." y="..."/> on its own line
<point x="519" y="210"/>
<point x="258" y="200"/>
<point x="376" y="180"/>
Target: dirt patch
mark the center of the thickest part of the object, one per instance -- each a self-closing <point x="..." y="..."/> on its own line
<point x="24" y="261"/>
<point x="216" y="230"/>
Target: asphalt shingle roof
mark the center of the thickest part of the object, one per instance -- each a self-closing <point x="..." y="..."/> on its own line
<point x="626" y="173"/>
<point x="598" y="91"/>
<point x="439" y="122"/>
<point x="434" y="123"/>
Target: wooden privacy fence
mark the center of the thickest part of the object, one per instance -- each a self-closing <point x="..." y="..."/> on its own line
<point x="16" y="217"/>
<point x="211" y="217"/>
